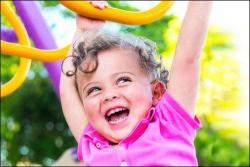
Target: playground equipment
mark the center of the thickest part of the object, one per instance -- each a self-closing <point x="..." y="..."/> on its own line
<point x="22" y="35"/>
<point x="46" y="50"/>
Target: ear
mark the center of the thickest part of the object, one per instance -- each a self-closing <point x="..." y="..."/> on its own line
<point x="158" y="89"/>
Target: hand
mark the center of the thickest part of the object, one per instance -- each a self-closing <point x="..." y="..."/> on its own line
<point x="85" y="24"/>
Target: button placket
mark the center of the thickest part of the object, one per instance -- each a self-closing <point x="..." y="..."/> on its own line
<point x="98" y="145"/>
<point x="110" y="149"/>
<point x="124" y="163"/>
<point x="121" y="150"/>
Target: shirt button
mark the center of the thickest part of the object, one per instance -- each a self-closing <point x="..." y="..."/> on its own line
<point x="124" y="163"/>
<point x="98" y="145"/>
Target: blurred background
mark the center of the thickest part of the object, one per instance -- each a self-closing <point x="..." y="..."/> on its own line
<point x="33" y="129"/>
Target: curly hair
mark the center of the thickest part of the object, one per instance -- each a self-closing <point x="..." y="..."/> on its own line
<point x="91" y="43"/>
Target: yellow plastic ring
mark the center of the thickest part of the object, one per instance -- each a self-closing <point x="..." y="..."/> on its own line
<point x="111" y="14"/>
<point x="33" y="53"/>
<point x="23" y="39"/>
<point x="118" y="15"/>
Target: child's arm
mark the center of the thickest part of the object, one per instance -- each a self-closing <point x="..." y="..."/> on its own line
<point x="71" y="103"/>
<point x="184" y="76"/>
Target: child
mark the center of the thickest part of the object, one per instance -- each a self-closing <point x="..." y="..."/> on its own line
<point x="117" y="104"/>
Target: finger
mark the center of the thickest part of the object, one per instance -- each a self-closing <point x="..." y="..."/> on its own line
<point x="99" y="4"/>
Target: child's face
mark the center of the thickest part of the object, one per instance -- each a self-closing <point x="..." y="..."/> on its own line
<point x="117" y="95"/>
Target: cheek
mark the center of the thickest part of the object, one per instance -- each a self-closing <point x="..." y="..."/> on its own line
<point x="91" y="108"/>
<point x="141" y="95"/>
<point x="141" y="102"/>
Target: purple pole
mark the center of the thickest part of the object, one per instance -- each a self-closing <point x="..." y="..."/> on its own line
<point x="41" y="36"/>
<point x="8" y="34"/>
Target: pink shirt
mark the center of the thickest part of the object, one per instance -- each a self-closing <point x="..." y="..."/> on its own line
<point x="164" y="138"/>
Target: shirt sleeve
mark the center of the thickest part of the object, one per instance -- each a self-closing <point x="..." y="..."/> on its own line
<point x="83" y="145"/>
<point x="171" y="113"/>
<point x="79" y="149"/>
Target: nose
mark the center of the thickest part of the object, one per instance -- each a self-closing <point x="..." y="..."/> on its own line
<point x="110" y="96"/>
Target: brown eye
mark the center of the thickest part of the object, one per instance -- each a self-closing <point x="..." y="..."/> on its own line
<point x="123" y="80"/>
<point x="93" y="90"/>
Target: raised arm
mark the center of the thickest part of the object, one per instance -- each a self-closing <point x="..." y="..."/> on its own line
<point x="184" y="76"/>
<point x="71" y="103"/>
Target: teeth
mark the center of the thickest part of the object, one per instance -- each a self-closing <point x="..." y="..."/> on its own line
<point x="114" y="111"/>
<point x="117" y="121"/>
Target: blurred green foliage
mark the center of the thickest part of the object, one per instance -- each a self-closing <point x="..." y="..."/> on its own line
<point x="214" y="149"/>
<point x="32" y="123"/>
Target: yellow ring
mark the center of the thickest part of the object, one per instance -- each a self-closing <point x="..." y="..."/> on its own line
<point x="118" y="15"/>
<point x="24" y="66"/>
<point x="112" y="14"/>
<point x="33" y="53"/>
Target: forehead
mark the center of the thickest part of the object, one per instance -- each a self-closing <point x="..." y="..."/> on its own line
<point x="111" y="61"/>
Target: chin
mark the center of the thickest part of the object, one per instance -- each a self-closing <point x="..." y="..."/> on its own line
<point x="119" y="135"/>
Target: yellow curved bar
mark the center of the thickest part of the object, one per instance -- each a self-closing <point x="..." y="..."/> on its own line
<point x="118" y="15"/>
<point x="112" y="14"/>
<point x="24" y="66"/>
<point x="33" y="53"/>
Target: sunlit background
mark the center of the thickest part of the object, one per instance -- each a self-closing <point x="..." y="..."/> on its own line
<point x="223" y="101"/>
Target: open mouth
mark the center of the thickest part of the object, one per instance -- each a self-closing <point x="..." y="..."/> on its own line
<point x="117" y="115"/>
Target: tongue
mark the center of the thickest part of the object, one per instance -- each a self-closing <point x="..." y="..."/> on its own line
<point x="118" y="116"/>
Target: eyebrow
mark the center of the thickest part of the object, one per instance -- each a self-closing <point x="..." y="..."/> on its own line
<point x="118" y="73"/>
<point x="113" y="75"/>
